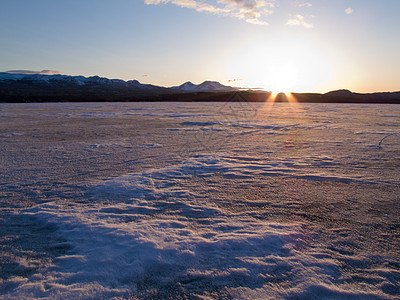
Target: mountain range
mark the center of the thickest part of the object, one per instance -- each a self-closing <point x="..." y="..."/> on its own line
<point x="57" y="88"/>
<point x="66" y="80"/>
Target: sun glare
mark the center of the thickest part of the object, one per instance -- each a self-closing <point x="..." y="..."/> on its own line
<point x="281" y="97"/>
<point x="283" y="63"/>
<point x="282" y="79"/>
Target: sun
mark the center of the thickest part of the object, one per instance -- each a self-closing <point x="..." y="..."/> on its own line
<point x="281" y="79"/>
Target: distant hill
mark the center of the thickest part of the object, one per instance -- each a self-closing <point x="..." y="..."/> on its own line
<point x="64" y="88"/>
<point x="368" y="97"/>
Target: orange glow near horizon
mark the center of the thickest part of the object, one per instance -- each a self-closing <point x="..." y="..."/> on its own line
<point x="284" y="97"/>
<point x="288" y="64"/>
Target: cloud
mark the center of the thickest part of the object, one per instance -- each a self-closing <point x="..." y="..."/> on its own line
<point x="349" y="10"/>
<point x="252" y="11"/>
<point x="303" y="4"/>
<point x="299" y="20"/>
<point x="145" y="75"/>
<point x="234" y="80"/>
<point x="30" y="72"/>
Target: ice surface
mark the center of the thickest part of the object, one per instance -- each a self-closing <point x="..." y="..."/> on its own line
<point x="206" y="200"/>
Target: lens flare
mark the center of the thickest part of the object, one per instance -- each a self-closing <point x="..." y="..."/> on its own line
<point x="281" y="97"/>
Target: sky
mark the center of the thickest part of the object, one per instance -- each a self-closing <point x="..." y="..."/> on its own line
<point x="276" y="45"/>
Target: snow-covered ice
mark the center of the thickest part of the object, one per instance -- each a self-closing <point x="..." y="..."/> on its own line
<point x="200" y="201"/>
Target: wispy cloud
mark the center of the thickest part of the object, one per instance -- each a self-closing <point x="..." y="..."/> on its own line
<point x="30" y="72"/>
<point x="303" y="4"/>
<point x="235" y="79"/>
<point x="252" y="11"/>
<point x="349" y="10"/>
<point x="299" y="20"/>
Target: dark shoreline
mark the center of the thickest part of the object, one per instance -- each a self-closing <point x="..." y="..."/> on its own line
<point x="52" y="95"/>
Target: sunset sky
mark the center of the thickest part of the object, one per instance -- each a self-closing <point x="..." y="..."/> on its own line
<point x="279" y="45"/>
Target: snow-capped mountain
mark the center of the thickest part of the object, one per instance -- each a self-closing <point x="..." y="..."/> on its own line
<point x="66" y="80"/>
<point x="63" y="80"/>
<point x="19" y="87"/>
<point x="187" y="86"/>
<point x="206" y="86"/>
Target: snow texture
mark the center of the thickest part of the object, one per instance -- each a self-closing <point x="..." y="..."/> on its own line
<point x="204" y="201"/>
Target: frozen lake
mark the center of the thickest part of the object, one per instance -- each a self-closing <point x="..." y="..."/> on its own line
<point x="199" y="201"/>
